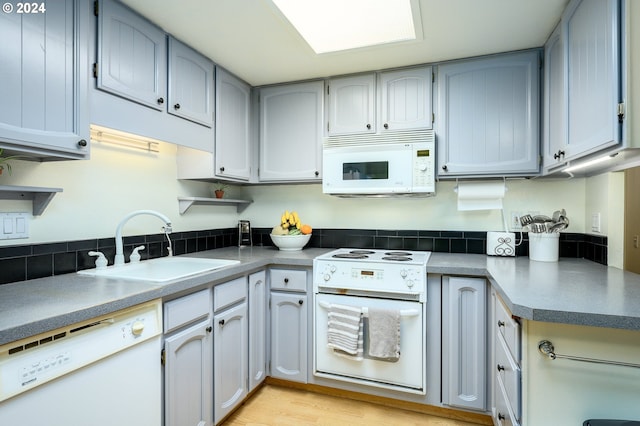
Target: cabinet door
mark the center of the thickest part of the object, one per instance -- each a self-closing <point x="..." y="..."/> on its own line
<point x="230" y="359"/>
<point x="291" y="132"/>
<point x="257" y="329"/>
<point x="132" y="56"/>
<point x="190" y="84"/>
<point x="593" y="80"/>
<point x="43" y="81"/>
<point x="406" y="99"/>
<point x="487" y="120"/>
<point x="554" y="138"/>
<point x="352" y="102"/>
<point x="188" y="377"/>
<point x="464" y="342"/>
<point x="289" y="336"/>
<point x="233" y="149"/>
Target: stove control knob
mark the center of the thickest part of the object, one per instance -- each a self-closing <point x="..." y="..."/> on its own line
<point x="326" y="277"/>
<point x="333" y="268"/>
<point x="403" y="273"/>
<point x="409" y="283"/>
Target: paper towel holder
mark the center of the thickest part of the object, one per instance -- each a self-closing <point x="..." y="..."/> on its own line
<point x="504" y="180"/>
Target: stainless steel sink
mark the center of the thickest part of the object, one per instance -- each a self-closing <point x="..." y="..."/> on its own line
<point x="161" y="269"/>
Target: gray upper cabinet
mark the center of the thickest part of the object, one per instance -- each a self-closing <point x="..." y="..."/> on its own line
<point x="352" y="104"/>
<point x="590" y="29"/>
<point x="380" y="102"/>
<point x="405" y="99"/>
<point x="43" y="91"/>
<point x="132" y="56"/>
<point x="291" y="132"/>
<point x="553" y="124"/>
<point x="233" y="143"/>
<point x="487" y="119"/>
<point x="147" y="85"/>
<point x="190" y="84"/>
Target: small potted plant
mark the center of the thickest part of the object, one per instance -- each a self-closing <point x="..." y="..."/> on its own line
<point x="5" y="162"/>
<point x="218" y="189"/>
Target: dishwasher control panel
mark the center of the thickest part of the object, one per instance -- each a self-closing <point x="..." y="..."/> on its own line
<point x="39" y="359"/>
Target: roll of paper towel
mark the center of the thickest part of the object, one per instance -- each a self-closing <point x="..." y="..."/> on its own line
<point x="480" y="195"/>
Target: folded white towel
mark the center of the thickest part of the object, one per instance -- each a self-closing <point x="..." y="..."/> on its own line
<point x="384" y="334"/>
<point x="344" y="328"/>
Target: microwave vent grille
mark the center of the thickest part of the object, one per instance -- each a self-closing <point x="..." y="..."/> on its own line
<point x="399" y="137"/>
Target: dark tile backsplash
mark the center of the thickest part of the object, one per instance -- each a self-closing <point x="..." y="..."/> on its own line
<point x="26" y="262"/>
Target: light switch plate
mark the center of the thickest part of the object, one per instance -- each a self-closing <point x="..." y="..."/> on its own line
<point x="595" y="222"/>
<point x="14" y="226"/>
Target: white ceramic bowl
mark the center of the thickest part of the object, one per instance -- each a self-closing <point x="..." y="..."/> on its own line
<point x="290" y="242"/>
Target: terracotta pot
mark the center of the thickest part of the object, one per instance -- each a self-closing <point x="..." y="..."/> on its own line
<point x="219" y="193"/>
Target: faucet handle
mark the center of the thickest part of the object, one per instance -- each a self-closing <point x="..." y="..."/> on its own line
<point x="101" y="261"/>
<point x="135" y="256"/>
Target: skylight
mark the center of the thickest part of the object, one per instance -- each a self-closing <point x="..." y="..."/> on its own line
<point x="335" y="25"/>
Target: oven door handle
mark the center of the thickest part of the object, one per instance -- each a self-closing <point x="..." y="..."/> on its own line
<point x="365" y="310"/>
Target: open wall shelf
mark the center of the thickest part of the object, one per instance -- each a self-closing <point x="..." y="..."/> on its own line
<point x="40" y="196"/>
<point x="186" y="202"/>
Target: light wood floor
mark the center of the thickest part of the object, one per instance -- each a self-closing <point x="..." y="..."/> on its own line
<point x="277" y="405"/>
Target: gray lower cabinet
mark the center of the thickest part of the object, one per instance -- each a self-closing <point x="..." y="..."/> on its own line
<point x="487" y="117"/>
<point x="257" y="329"/>
<point x="188" y="361"/>
<point x="464" y="342"/>
<point x="43" y="106"/>
<point x="230" y="353"/>
<point x="289" y="324"/>
<point x="505" y="372"/>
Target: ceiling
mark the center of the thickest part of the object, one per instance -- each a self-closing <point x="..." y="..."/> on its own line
<point x="254" y="41"/>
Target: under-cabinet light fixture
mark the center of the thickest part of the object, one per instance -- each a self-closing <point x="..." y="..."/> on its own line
<point x="587" y="164"/>
<point x="106" y="135"/>
<point x="335" y="25"/>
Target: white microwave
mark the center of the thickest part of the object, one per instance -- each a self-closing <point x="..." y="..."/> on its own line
<point x="379" y="169"/>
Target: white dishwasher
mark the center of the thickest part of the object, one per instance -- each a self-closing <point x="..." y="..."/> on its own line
<point x="104" y="371"/>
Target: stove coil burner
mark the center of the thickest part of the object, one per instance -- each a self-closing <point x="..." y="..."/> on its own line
<point x="397" y="258"/>
<point x="350" y="256"/>
<point x="397" y="253"/>
<point x="362" y="252"/>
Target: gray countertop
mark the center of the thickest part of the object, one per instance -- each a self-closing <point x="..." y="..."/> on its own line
<point x="572" y="291"/>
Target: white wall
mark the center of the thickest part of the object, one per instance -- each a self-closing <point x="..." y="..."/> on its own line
<point x="99" y="192"/>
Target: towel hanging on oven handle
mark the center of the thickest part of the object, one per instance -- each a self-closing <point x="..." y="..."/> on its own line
<point x="365" y="311"/>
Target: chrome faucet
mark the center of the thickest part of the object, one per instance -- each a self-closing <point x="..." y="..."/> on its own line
<point x="119" y="259"/>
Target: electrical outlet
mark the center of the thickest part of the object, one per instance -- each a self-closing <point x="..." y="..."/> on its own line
<point x="515" y="221"/>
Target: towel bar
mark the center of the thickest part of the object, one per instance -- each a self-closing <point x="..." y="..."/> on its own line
<point x="365" y="311"/>
<point x="546" y="348"/>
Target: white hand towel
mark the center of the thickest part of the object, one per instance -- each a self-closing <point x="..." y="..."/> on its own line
<point x="384" y="334"/>
<point x="344" y="328"/>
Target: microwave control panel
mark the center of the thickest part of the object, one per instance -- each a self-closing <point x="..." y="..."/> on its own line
<point x="424" y="166"/>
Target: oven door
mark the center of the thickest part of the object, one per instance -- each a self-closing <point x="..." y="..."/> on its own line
<point x="407" y="374"/>
<point x="377" y="169"/>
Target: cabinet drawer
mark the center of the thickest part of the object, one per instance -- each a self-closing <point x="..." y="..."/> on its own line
<point x="229" y="293"/>
<point x="503" y="415"/>
<point x="508" y="328"/>
<point x="287" y="279"/>
<point x="509" y="374"/>
<point x="185" y="310"/>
